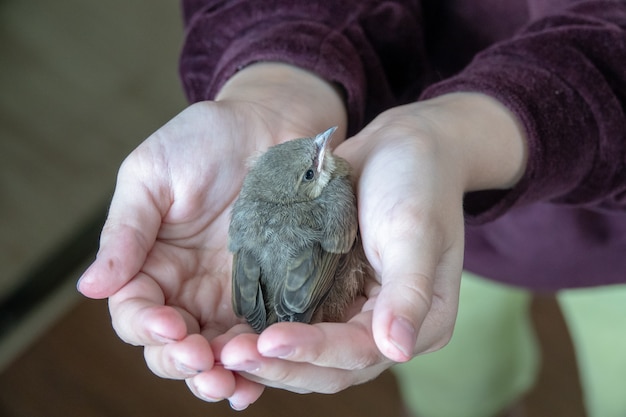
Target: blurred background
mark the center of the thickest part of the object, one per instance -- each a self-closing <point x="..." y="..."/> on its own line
<point x="82" y="83"/>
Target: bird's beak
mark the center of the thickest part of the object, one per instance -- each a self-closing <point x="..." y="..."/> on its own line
<point x="322" y="140"/>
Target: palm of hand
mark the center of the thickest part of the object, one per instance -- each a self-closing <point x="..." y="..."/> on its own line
<point x="192" y="176"/>
<point x="163" y="256"/>
<point x="163" y="259"/>
<point x="191" y="268"/>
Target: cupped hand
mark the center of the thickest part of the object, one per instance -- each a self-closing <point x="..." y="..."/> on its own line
<point x="410" y="191"/>
<point x="412" y="166"/>
<point x="163" y="259"/>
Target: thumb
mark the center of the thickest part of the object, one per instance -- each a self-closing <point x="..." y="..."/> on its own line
<point x="404" y="299"/>
<point x="416" y="308"/>
<point x="128" y="235"/>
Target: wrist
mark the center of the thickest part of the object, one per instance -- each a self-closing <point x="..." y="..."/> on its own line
<point x="300" y="102"/>
<point x="485" y="136"/>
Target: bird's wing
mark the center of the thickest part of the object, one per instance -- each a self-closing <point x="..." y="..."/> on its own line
<point x="308" y="279"/>
<point x="341" y="239"/>
<point x="342" y="224"/>
<point x="247" y="295"/>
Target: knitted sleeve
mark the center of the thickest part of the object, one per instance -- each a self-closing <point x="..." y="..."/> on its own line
<point x="371" y="49"/>
<point x="564" y="76"/>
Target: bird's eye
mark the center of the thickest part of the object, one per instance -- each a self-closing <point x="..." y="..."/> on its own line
<point x="309" y="175"/>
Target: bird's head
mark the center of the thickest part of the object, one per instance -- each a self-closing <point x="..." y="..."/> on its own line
<point x="294" y="171"/>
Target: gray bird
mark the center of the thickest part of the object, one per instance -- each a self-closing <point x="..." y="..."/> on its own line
<point x="294" y="236"/>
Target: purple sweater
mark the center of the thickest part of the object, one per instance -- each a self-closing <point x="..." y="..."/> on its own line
<point x="559" y="65"/>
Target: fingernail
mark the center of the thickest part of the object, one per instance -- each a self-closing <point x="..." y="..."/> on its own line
<point x="187" y="370"/>
<point x="83" y="280"/>
<point x="208" y="398"/>
<point x="238" y="407"/>
<point x="162" y="339"/>
<point x="201" y="394"/>
<point x="402" y="335"/>
<point x="245" y="366"/>
<point x="78" y="283"/>
<point x="281" y="352"/>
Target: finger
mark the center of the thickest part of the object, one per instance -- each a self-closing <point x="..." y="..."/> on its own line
<point x="213" y="385"/>
<point x="408" y="272"/>
<point x="304" y="378"/>
<point x="139" y="316"/>
<point x="246" y="392"/>
<point x="348" y="346"/>
<point x="128" y="234"/>
<point x="241" y="355"/>
<point x="218" y="342"/>
<point x="416" y="307"/>
<point x="180" y="360"/>
<point x="219" y="383"/>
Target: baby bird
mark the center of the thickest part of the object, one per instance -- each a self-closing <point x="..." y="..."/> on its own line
<point x="293" y="233"/>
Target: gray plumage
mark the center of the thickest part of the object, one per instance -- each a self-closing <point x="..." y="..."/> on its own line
<point x="294" y="238"/>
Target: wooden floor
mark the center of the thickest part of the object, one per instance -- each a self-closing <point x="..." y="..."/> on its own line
<point x="82" y="82"/>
